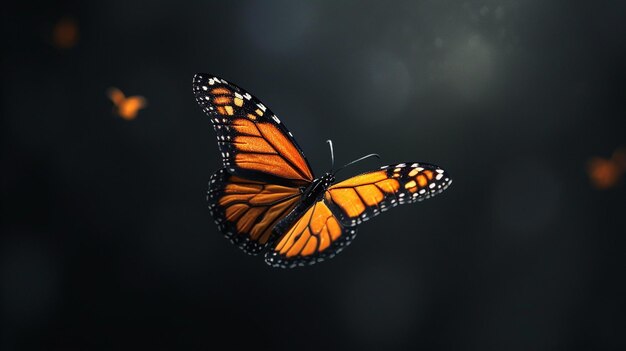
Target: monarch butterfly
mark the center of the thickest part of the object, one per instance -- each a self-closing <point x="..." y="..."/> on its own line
<point x="266" y="199"/>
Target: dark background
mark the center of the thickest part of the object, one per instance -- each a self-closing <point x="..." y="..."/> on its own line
<point x="106" y="238"/>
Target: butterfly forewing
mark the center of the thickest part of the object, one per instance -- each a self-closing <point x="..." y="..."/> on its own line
<point x="253" y="142"/>
<point x="366" y="195"/>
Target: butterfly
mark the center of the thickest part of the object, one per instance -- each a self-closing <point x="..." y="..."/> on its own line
<point x="266" y="198"/>
<point x="607" y="173"/>
<point x="126" y="107"/>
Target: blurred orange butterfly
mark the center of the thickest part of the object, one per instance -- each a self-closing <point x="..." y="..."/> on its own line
<point x="266" y="199"/>
<point x="605" y="174"/>
<point x="126" y="107"/>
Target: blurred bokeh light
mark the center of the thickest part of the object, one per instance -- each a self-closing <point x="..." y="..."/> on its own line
<point x="65" y="33"/>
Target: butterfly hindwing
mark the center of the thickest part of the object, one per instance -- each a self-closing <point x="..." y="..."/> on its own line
<point x="315" y="236"/>
<point x="366" y="195"/>
<point x="253" y="142"/>
<point x="247" y="211"/>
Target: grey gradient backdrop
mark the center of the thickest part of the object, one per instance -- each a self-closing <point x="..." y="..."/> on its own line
<point x="106" y="238"/>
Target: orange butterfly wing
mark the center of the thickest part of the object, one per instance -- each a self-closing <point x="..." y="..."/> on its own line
<point x="253" y="141"/>
<point x="364" y="196"/>
<point x="317" y="235"/>
<point x="246" y="211"/>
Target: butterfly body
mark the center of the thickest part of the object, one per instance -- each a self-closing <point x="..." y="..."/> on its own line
<point x="318" y="187"/>
<point x="266" y="198"/>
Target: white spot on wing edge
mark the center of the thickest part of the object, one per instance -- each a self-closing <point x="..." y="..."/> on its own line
<point x="276" y="119"/>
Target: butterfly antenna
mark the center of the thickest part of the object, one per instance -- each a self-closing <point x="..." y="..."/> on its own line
<point x="332" y="154"/>
<point x="357" y="160"/>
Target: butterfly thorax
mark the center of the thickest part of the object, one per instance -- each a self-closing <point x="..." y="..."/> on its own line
<point x="316" y="190"/>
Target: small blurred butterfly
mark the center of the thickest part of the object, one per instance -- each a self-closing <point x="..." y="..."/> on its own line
<point x="266" y="198"/>
<point x="606" y="173"/>
<point x="126" y="107"/>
